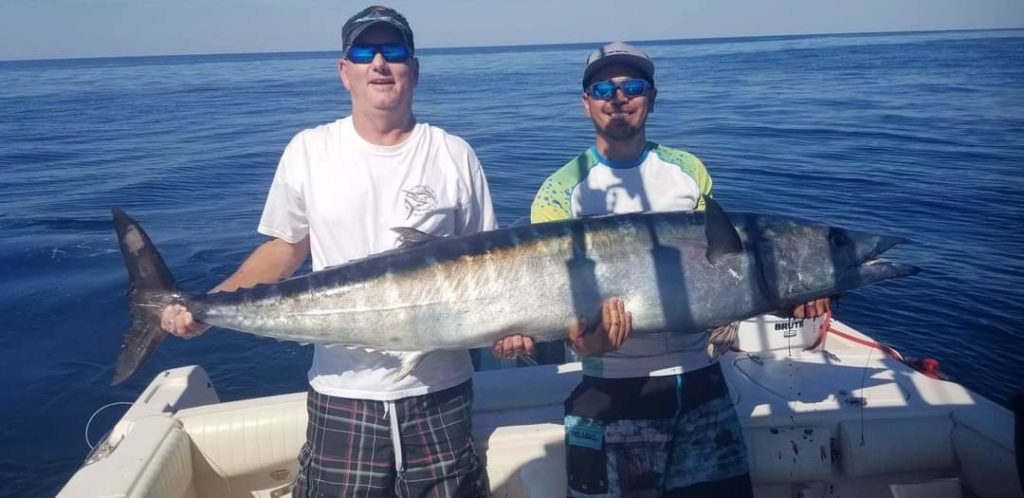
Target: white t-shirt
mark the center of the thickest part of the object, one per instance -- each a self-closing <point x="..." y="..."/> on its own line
<point x="346" y="194"/>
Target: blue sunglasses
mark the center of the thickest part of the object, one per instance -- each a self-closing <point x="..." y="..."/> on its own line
<point x="605" y="90"/>
<point x="392" y="52"/>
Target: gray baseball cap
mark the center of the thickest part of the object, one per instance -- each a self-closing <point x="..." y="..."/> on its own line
<point x="618" y="53"/>
<point x="374" y="15"/>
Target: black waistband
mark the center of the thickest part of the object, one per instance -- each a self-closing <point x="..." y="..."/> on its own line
<point x="646" y="398"/>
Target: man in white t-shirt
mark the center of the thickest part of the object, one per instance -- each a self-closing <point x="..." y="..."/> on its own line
<point x="338" y="191"/>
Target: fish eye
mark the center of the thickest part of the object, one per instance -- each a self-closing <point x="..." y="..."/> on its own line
<point x="838" y="238"/>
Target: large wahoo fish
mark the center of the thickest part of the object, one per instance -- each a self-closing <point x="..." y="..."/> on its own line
<point x="681" y="272"/>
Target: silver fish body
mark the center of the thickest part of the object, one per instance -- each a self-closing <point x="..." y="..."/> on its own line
<point x="675" y="271"/>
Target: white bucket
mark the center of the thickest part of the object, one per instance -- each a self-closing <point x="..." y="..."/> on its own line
<point x="773" y="333"/>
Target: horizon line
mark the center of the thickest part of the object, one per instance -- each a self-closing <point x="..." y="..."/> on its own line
<point x="525" y="45"/>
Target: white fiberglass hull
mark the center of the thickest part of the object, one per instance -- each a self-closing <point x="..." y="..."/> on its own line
<point x="842" y="419"/>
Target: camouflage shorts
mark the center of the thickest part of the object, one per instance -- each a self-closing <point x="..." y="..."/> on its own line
<point x="673" y="436"/>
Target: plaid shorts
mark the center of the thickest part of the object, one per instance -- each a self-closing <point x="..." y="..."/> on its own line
<point x="672" y="436"/>
<point x="350" y="450"/>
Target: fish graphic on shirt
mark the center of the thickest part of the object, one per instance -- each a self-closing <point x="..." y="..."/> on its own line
<point x="418" y="200"/>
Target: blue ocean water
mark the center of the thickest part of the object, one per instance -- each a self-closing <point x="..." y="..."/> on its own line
<point x="919" y="135"/>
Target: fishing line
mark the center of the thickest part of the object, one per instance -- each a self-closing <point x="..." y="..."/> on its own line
<point x="862" y="398"/>
<point x="217" y="468"/>
<point x="104" y="407"/>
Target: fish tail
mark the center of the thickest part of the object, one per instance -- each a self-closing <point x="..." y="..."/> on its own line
<point x="151" y="287"/>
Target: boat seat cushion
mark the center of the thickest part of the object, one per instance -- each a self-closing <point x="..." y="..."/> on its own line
<point x="247" y="444"/>
<point x="938" y="488"/>
<point x="789" y="454"/>
<point x="987" y="467"/>
<point x="888" y="446"/>
<point x="169" y="473"/>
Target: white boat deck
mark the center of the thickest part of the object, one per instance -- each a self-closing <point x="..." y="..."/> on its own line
<point x="842" y="420"/>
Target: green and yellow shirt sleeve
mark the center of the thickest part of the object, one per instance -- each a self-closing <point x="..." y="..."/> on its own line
<point x="554" y="199"/>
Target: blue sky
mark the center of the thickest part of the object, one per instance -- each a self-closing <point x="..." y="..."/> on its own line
<point x="31" y="29"/>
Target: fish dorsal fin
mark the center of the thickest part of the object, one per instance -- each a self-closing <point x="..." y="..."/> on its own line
<point x="412" y="237"/>
<point x="720" y="232"/>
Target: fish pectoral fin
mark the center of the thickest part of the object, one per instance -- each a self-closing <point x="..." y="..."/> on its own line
<point x="720" y="232"/>
<point x="409" y="363"/>
<point x="412" y="237"/>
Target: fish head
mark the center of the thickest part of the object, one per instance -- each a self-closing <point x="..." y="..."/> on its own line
<point x="802" y="261"/>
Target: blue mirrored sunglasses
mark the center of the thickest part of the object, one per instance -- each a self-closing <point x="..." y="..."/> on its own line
<point x="605" y="90"/>
<point x="392" y="52"/>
